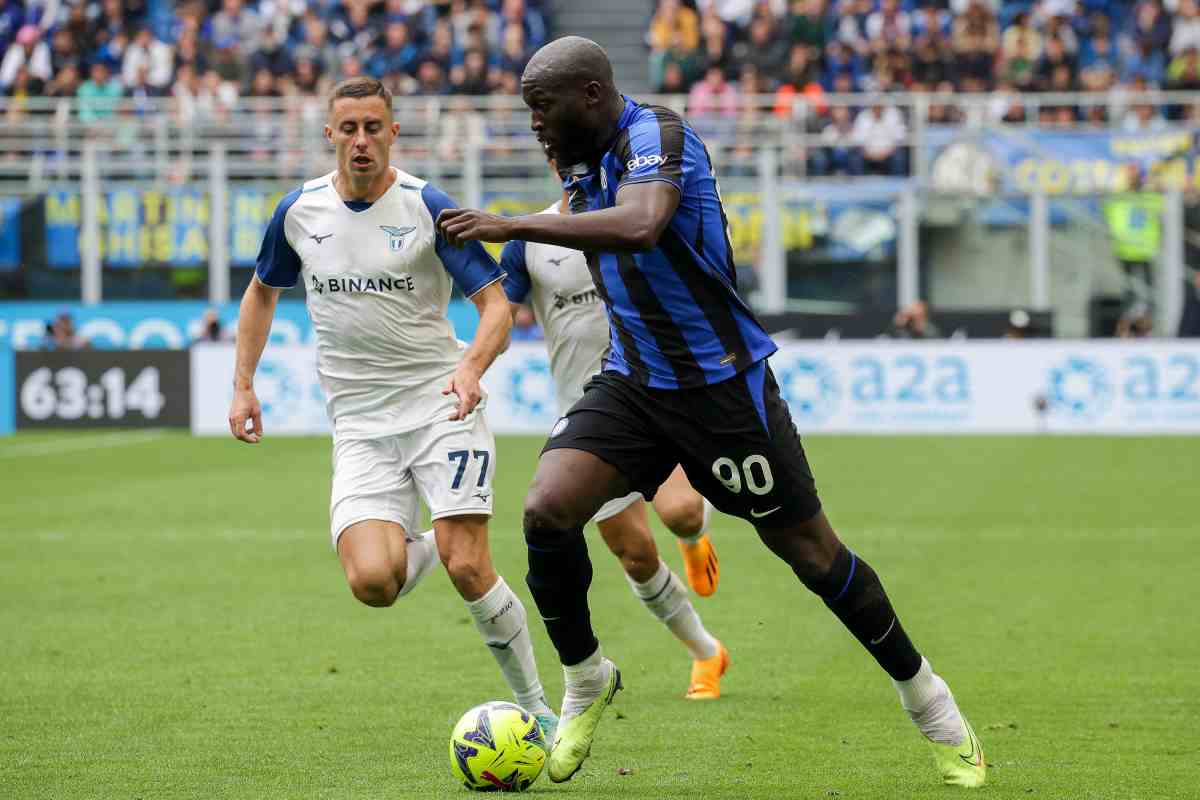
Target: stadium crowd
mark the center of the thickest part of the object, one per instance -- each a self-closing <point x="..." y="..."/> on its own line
<point x="722" y="51"/>
<point x="208" y="54"/>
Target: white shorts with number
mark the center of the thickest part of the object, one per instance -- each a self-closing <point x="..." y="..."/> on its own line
<point x="448" y="465"/>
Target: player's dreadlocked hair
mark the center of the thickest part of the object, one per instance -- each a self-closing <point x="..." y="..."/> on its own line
<point x="362" y="86"/>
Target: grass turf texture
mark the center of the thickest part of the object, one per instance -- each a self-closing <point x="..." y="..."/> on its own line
<point x="174" y="625"/>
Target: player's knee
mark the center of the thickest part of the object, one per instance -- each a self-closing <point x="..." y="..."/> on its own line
<point x="546" y="516"/>
<point x="373" y="586"/>
<point x="466" y="573"/>
<point x="638" y="558"/>
<point x="684" y="516"/>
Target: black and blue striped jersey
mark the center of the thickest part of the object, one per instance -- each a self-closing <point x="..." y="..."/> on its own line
<point x="676" y="320"/>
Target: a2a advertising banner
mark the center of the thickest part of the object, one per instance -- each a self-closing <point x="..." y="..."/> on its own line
<point x="998" y="387"/>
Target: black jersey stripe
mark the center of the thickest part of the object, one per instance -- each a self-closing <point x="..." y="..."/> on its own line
<point x="668" y="336"/>
<point x="629" y="348"/>
<point x="712" y="297"/>
<point x="670" y="142"/>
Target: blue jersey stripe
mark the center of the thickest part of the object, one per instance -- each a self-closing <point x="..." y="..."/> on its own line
<point x="676" y="318"/>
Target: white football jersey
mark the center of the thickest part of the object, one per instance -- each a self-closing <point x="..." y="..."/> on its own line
<point x="557" y="283"/>
<point x="378" y="284"/>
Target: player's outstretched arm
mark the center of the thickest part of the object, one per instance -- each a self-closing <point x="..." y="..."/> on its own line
<point x="254" y="325"/>
<point x="641" y="214"/>
<point x="491" y="339"/>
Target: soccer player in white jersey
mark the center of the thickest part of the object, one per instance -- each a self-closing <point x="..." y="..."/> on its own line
<point x="557" y="284"/>
<point x="403" y="397"/>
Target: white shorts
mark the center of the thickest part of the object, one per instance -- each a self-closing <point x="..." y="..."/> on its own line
<point x="616" y="506"/>
<point x="449" y="465"/>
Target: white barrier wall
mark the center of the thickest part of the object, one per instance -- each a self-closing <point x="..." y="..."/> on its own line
<point x="832" y="387"/>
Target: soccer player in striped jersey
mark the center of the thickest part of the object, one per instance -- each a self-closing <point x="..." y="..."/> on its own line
<point x="556" y="282"/>
<point x="685" y="381"/>
<point x="402" y="392"/>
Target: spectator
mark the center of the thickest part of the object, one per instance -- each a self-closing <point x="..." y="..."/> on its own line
<point x="316" y="46"/>
<point x="765" y="49"/>
<point x="352" y="30"/>
<point x="516" y="12"/>
<point x="1185" y="31"/>
<point x="234" y="26"/>
<point x="188" y="50"/>
<point x="716" y="49"/>
<point x="838" y="157"/>
<point x="264" y="84"/>
<point x="1147" y="63"/>
<point x="62" y="50"/>
<point x="851" y="25"/>
<point x="713" y="95"/>
<point x="148" y="54"/>
<point x="930" y="63"/>
<point x="1054" y="57"/>
<point x="933" y="22"/>
<point x="211" y="329"/>
<point x="808" y="24"/>
<point x="673" y="80"/>
<point x="28" y="51"/>
<point x="1134" y="219"/>
<point x="889" y="27"/>
<point x="431" y="78"/>
<point x="1151" y="29"/>
<point x="399" y="55"/>
<point x="514" y="53"/>
<point x="674" y="25"/>
<point x="1019" y="325"/>
<point x="1021" y="40"/>
<point x="525" y="327"/>
<point x="976" y="40"/>
<point x="61" y="334"/>
<point x="1143" y="118"/>
<point x="881" y="134"/>
<point x="272" y="53"/>
<point x="473" y="79"/>
<point x="841" y="62"/>
<point x="65" y="83"/>
<point x="441" y="47"/>
<point x="1183" y="74"/>
<point x="913" y="322"/>
<point x="1097" y="63"/>
<point x="99" y="94"/>
<point x="687" y="60"/>
<point x="736" y="13"/>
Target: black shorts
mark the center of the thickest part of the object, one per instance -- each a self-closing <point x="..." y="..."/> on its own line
<point x="735" y="440"/>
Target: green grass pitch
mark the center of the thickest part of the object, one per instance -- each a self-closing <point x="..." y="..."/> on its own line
<point x="173" y="624"/>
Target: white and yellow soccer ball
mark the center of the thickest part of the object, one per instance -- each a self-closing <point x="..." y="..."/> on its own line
<point x="498" y="746"/>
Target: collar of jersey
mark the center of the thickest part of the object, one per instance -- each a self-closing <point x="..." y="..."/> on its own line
<point x="374" y="203"/>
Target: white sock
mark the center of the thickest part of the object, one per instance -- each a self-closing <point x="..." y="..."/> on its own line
<point x="583" y="682"/>
<point x="695" y="537"/>
<point x="500" y="618"/>
<point x="422" y="555"/>
<point x="667" y="599"/>
<point x="929" y="703"/>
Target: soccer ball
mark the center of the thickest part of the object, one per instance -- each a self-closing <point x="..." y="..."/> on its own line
<point x="497" y="746"/>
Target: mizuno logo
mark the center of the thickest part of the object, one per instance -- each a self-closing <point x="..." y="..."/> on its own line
<point x="885" y="633"/>
<point x="319" y="239"/>
<point x="645" y="161"/>
<point x="761" y="514"/>
<point x="483" y="496"/>
<point x="557" y="261"/>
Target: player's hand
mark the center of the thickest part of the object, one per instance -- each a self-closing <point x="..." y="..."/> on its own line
<point x="464" y="384"/>
<point x="461" y="225"/>
<point x="245" y="407"/>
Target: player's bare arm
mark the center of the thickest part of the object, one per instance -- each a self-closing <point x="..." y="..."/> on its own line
<point x="641" y="214"/>
<point x="491" y="339"/>
<point x="254" y="325"/>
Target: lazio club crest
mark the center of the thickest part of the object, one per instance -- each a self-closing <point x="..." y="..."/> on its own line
<point x="396" y="235"/>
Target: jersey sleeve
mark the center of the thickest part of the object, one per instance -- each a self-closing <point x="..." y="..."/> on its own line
<point x="470" y="266"/>
<point x="656" y="150"/>
<point x="278" y="264"/>
<point x="517" y="283"/>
